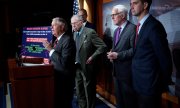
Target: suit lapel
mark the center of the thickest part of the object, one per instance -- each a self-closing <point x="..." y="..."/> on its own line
<point x="74" y="36"/>
<point x="142" y="29"/>
<point x="122" y="35"/>
<point x="114" y="38"/>
<point x="59" y="43"/>
<point x="82" y="36"/>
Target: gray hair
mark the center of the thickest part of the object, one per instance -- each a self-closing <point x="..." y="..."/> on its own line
<point x="121" y="8"/>
<point x="77" y="17"/>
<point x="60" y="21"/>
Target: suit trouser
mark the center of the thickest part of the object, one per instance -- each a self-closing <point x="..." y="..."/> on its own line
<point x="64" y="87"/>
<point x="125" y="95"/>
<point x="85" y="89"/>
<point x="151" y="101"/>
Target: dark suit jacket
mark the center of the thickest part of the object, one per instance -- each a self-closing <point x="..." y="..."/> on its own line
<point x="64" y="71"/>
<point x="151" y="64"/>
<point x="64" y="55"/>
<point x="89" y="25"/>
<point x="124" y="48"/>
<point x="90" y="45"/>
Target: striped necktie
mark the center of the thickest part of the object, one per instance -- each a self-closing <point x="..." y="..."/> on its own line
<point x="137" y="29"/>
<point x="55" y="43"/>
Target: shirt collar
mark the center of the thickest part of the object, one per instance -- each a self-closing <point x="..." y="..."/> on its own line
<point x="123" y="25"/>
<point x="59" y="37"/>
<point x="84" y="23"/>
<point x="81" y="29"/>
<point x="143" y="20"/>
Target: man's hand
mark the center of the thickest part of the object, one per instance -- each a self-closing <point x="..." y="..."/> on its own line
<point x="89" y="60"/>
<point x="112" y="55"/>
<point x="47" y="45"/>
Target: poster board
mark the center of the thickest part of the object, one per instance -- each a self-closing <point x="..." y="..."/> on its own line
<point x="32" y="38"/>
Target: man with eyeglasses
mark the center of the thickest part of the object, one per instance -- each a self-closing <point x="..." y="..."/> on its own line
<point x="121" y="57"/>
<point x="88" y="47"/>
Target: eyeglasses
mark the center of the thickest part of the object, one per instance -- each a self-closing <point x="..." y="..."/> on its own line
<point x="82" y="15"/>
<point x="112" y="15"/>
<point x="74" y="23"/>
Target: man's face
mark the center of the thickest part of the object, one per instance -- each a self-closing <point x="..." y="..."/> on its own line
<point x="137" y="7"/>
<point x="76" y="24"/>
<point x="80" y="13"/>
<point x="55" y="28"/>
<point x="116" y="17"/>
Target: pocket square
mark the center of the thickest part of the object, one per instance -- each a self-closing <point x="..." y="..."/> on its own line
<point x="85" y="41"/>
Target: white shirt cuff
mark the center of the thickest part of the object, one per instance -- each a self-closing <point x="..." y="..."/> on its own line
<point x="51" y="52"/>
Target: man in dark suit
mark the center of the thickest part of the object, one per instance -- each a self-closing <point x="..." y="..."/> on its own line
<point x="88" y="47"/>
<point x="152" y="63"/>
<point x="62" y="56"/>
<point x="83" y="14"/>
<point x="121" y="56"/>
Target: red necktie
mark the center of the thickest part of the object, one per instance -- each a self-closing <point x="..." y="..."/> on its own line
<point x="55" y="43"/>
<point x="137" y="29"/>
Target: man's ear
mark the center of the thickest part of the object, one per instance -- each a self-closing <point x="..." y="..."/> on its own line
<point x="145" y="5"/>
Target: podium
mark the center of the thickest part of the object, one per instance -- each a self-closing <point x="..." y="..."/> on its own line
<point x="32" y="86"/>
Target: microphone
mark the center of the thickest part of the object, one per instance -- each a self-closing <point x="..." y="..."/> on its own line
<point x="21" y="59"/>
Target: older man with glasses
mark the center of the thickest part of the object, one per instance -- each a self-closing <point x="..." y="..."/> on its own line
<point x="121" y="56"/>
<point x="88" y="47"/>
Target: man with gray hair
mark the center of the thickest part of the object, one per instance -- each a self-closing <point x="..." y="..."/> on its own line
<point x="62" y="56"/>
<point x="121" y="57"/>
<point x="88" y="47"/>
